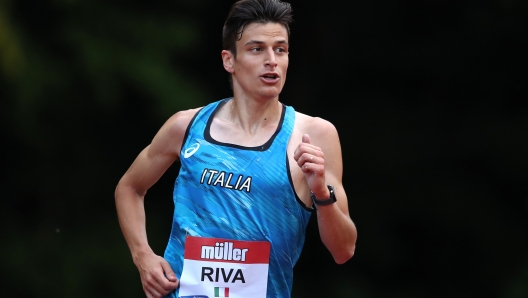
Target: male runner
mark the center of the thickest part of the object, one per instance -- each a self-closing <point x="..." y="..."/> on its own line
<point x="252" y="172"/>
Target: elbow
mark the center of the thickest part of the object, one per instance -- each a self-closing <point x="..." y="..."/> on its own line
<point x="124" y="190"/>
<point x="118" y="191"/>
<point x="345" y="255"/>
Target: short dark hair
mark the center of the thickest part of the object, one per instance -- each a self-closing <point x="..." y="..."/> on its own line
<point x="244" y="12"/>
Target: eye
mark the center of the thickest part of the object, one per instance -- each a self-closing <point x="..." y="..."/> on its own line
<point x="256" y="49"/>
<point x="281" y="50"/>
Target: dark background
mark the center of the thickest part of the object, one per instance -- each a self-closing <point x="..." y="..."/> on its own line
<point x="429" y="98"/>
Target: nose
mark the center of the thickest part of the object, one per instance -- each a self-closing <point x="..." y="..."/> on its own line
<point x="271" y="59"/>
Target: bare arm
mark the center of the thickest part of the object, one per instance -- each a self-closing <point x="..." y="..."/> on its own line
<point x="157" y="277"/>
<point x="319" y="156"/>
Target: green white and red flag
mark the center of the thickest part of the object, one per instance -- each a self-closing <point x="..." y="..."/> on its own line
<point x="221" y="292"/>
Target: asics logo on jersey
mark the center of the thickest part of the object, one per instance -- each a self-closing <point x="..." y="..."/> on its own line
<point x="191" y="150"/>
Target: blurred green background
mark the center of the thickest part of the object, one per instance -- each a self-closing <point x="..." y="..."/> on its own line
<point x="429" y="98"/>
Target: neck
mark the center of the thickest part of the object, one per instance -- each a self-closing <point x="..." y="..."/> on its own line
<point x="251" y="115"/>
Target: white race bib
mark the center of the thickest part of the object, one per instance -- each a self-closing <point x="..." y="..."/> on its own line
<point x="214" y="267"/>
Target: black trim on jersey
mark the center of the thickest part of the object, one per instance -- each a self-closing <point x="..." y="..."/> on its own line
<point x="264" y="147"/>
<point x="293" y="188"/>
<point x="186" y="135"/>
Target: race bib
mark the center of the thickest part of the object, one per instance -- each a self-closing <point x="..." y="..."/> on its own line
<point x="214" y="267"/>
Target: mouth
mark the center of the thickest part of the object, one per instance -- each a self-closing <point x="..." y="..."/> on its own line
<point x="270" y="77"/>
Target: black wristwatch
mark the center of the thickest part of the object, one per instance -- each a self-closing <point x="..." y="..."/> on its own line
<point x="332" y="199"/>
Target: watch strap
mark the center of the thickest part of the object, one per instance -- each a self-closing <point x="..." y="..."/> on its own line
<point x="332" y="199"/>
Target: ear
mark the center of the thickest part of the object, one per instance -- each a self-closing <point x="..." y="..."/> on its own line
<point x="228" y="58"/>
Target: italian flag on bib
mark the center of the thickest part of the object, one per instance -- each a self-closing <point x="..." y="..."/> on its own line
<point x="215" y="267"/>
<point x="221" y="292"/>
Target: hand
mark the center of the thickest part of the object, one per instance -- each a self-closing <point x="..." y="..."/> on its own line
<point x="311" y="160"/>
<point x="157" y="277"/>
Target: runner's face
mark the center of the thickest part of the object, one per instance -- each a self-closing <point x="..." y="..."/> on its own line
<point x="259" y="70"/>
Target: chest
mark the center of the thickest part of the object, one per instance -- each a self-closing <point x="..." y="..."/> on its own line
<point x="226" y="135"/>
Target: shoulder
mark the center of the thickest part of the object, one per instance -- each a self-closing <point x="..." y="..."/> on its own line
<point x="318" y="128"/>
<point x="177" y="124"/>
<point x="322" y="132"/>
<point x="169" y="138"/>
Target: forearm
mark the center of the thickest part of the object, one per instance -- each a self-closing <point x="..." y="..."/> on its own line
<point x="337" y="231"/>
<point x="131" y="215"/>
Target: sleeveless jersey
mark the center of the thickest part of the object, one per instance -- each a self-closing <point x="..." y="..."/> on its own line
<point x="240" y="193"/>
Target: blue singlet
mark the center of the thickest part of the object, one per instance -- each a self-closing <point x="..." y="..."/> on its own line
<point x="241" y="193"/>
